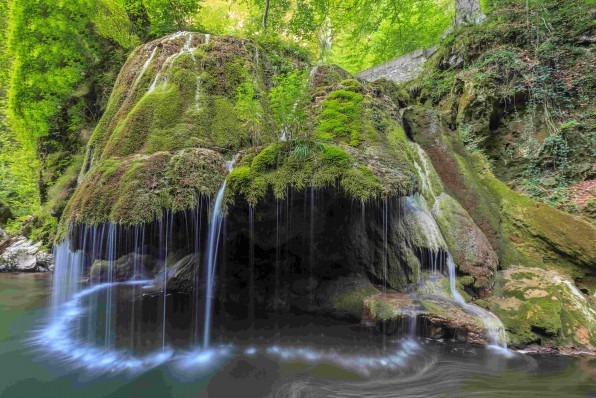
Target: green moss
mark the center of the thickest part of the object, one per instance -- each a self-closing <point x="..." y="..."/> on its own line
<point x="226" y="129"/>
<point x="361" y="183"/>
<point x="64" y="186"/>
<point x="352" y="302"/>
<point x="190" y="173"/>
<point x="335" y="156"/>
<point x="352" y="85"/>
<point x="235" y="73"/>
<point x="300" y="164"/>
<point x="239" y="181"/>
<point x="398" y="141"/>
<point x="540" y="232"/>
<point x="341" y="117"/>
<point x="382" y="310"/>
<point x="136" y="191"/>
<point x="396" y="93"/>
<point x="267" y="158"/>
<point x="537" y="306"/>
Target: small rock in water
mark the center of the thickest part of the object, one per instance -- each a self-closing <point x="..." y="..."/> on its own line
<point x="22" y="255"/>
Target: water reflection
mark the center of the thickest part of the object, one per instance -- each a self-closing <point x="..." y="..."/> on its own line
<point x="300" y="360"/>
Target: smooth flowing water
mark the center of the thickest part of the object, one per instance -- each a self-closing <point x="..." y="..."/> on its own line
<point x="305" y="359"/>
<point x="494" y="327"/>
<point x="212" y="246"/>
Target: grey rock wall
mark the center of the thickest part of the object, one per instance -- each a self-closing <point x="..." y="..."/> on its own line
<point x="402" y="69"/>
<point x="468" y="11"/>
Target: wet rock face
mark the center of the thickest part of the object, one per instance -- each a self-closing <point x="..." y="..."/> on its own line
<point x="425" y="315"/>
<point x="471" y="250"/>
<point x="319" y="251"/>
<point x="316" y="252"/>
<point x="520" y="230"/>
<point x="544" y="307"/>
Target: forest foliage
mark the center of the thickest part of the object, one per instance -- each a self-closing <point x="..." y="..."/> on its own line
<point x="59" y="61"/>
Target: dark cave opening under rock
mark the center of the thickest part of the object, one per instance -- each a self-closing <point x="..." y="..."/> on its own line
<point x="314" y="252"/>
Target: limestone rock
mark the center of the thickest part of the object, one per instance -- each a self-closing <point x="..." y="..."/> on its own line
<point x="545" y="307"/>
<point x="441" y="317"/>
<point x="471" y="249"/>
<point x="129" y="266"/>
<point x="20" y="254"/>
<point x="468" y="11"/>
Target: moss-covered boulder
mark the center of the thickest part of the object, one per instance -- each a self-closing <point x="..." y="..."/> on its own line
<point x="438" y="316"/>
<point x="544" y="307"/>
<point x="471" y="250"/>
<point x="181" y="108"/>
<point x="136" y="189"/>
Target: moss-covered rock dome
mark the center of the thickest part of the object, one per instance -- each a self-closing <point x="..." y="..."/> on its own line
<point x="181" y="108"/>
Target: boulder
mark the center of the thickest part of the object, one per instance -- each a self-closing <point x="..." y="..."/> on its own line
<point x="438" y="316"/>
<point x="20" y="254"/>
<point x="129" y="266"/>
<point x="544" y="307"/>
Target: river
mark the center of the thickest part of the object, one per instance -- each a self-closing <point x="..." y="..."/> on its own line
<point x="326" y="359"/>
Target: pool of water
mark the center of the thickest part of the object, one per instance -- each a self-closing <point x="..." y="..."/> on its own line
<point x="285" y="357"/>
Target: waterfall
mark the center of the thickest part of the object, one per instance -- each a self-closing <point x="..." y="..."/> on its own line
<point x="311" y="244"/>
<point x="198" y="221"/>
<point x="251" y="265"/>
<point x="434" y="242"/>
<point x="211" y="261"/>
<point x="111" y="255"/>
<point x="158" y="76"/>
<point x="167" y="233"/>
<point x="170" y="60"/>
<point x="67" y="275"/>
<point x="494" y="327"/>
<point x="144" y="68"/>
<point x="385" y="243"/>
<point x="424" y="171"/>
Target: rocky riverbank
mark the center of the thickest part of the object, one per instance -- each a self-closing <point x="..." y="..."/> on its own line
<point x="19" y="254"/>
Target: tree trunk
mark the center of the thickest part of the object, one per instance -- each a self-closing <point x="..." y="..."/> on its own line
<point x="468" y="11"/>
<point x="265" y="14"/>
